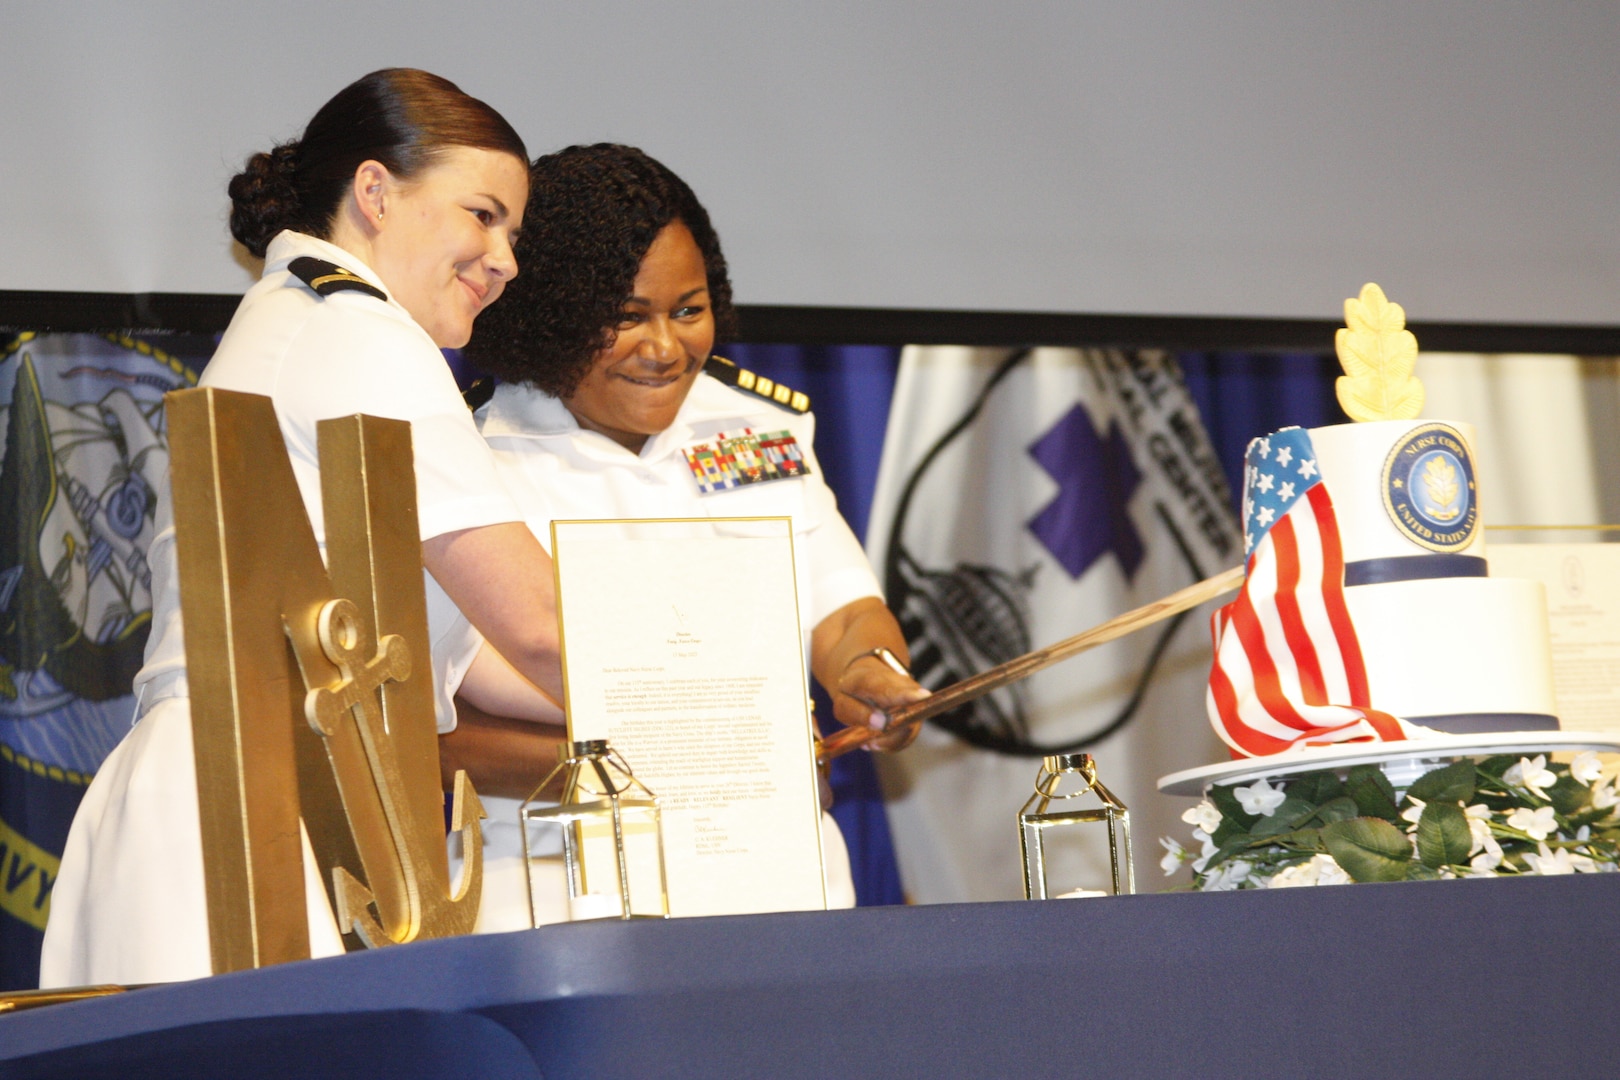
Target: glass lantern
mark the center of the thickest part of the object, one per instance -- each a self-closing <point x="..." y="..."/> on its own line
<point x="1062" y="778"/>
<point x="607" y="830"/>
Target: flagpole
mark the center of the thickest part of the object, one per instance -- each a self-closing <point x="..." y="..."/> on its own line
<point x="1022" y="667"/>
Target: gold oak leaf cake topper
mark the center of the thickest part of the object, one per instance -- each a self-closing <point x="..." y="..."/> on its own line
<point x="1377" y="353"/>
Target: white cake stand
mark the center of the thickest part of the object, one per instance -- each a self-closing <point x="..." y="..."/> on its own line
<point x="1403" y="762"/>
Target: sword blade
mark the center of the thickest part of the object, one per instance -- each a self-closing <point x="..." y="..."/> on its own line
<point x="1022" y="667"/>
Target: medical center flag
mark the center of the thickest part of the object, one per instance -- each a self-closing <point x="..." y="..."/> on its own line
<point x="1288" y="669"/>
<point x="1025" y="495"/>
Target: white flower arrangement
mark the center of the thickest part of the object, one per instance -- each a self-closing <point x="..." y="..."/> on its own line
<point x="1497" y="817"/>
<point x="1259" y="799"/>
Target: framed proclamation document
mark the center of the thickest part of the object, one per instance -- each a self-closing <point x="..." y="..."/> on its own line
<point x="1583" y="616"/>
<point x="682" y="647"/>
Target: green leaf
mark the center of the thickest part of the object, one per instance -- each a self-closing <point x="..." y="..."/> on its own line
<point x="1497" y="764"/>
<point x="1586" y="816"/>
<point x="1568" y="795"/>
<point x="1443" y="838"/>
<point x="1315" y="787"/>
<point x="1341" y="809"/>
<point x="1453" y="783"/>
<point x="1289" y="815"/>
<point x="1368" y="848"/>
<point x="1227" y="831"/>
<point x="1416" y="871"/>
<point x="1226" y="801"/>
<point x="1373" y="793"/>
<point x="1300" y="840"/>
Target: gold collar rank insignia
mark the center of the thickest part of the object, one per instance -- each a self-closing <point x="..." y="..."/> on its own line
<point x="327" y="278"/>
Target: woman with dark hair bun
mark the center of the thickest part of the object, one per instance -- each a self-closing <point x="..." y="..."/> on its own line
<point x="403" y="119"/>
<point x="603" y="349"/>
<point x="386" y="229"/>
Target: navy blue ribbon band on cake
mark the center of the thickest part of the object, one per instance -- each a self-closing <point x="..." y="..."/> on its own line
<point x="1413" y="568"/>
<point x="1487" y="723"/>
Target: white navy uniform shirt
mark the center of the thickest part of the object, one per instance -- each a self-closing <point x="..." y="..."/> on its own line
<point x="320" y="357"/>
<point x="557" y="470"/>
<point x="129" y="905"/>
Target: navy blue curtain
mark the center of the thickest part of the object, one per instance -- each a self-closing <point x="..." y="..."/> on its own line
<point x="850" y="387"/>
<point x="1242" y="396"/>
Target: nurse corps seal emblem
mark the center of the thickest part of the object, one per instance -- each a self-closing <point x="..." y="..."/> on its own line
<point x="1429" y="488"/>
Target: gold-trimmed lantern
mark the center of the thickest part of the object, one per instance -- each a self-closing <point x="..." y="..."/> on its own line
<point x="607" y="828"/>
<point x="1078" y="774"/>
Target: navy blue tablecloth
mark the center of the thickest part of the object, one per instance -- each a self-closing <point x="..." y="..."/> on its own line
<point x="1475" y="978"/>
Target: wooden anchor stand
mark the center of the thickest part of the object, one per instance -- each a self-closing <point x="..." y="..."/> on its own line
<point x="1022" y="667"/>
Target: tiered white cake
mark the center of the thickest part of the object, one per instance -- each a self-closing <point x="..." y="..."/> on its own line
<point x="1445" y="646"/>
<point x="1463" y="658"/>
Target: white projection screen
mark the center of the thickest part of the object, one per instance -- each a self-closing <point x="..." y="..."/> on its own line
<point x="1184" y="157"/>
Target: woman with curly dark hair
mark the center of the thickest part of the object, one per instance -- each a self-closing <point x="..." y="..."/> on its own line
<point x="594" y="213"/>
<point x="609" y="400"/>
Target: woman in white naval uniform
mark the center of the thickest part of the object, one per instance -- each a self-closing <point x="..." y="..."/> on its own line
<point x="600" y="350"/>
<point x="385" y="231"/>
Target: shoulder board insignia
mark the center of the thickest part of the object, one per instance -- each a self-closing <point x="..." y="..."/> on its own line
<point x="479" y="393"/>
<point x="327" y="278"/>
<point x="742" y="379"/>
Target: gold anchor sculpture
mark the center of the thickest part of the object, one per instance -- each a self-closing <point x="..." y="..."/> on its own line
<point x="349" y="743"/>
<point x="347" y="640"/>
